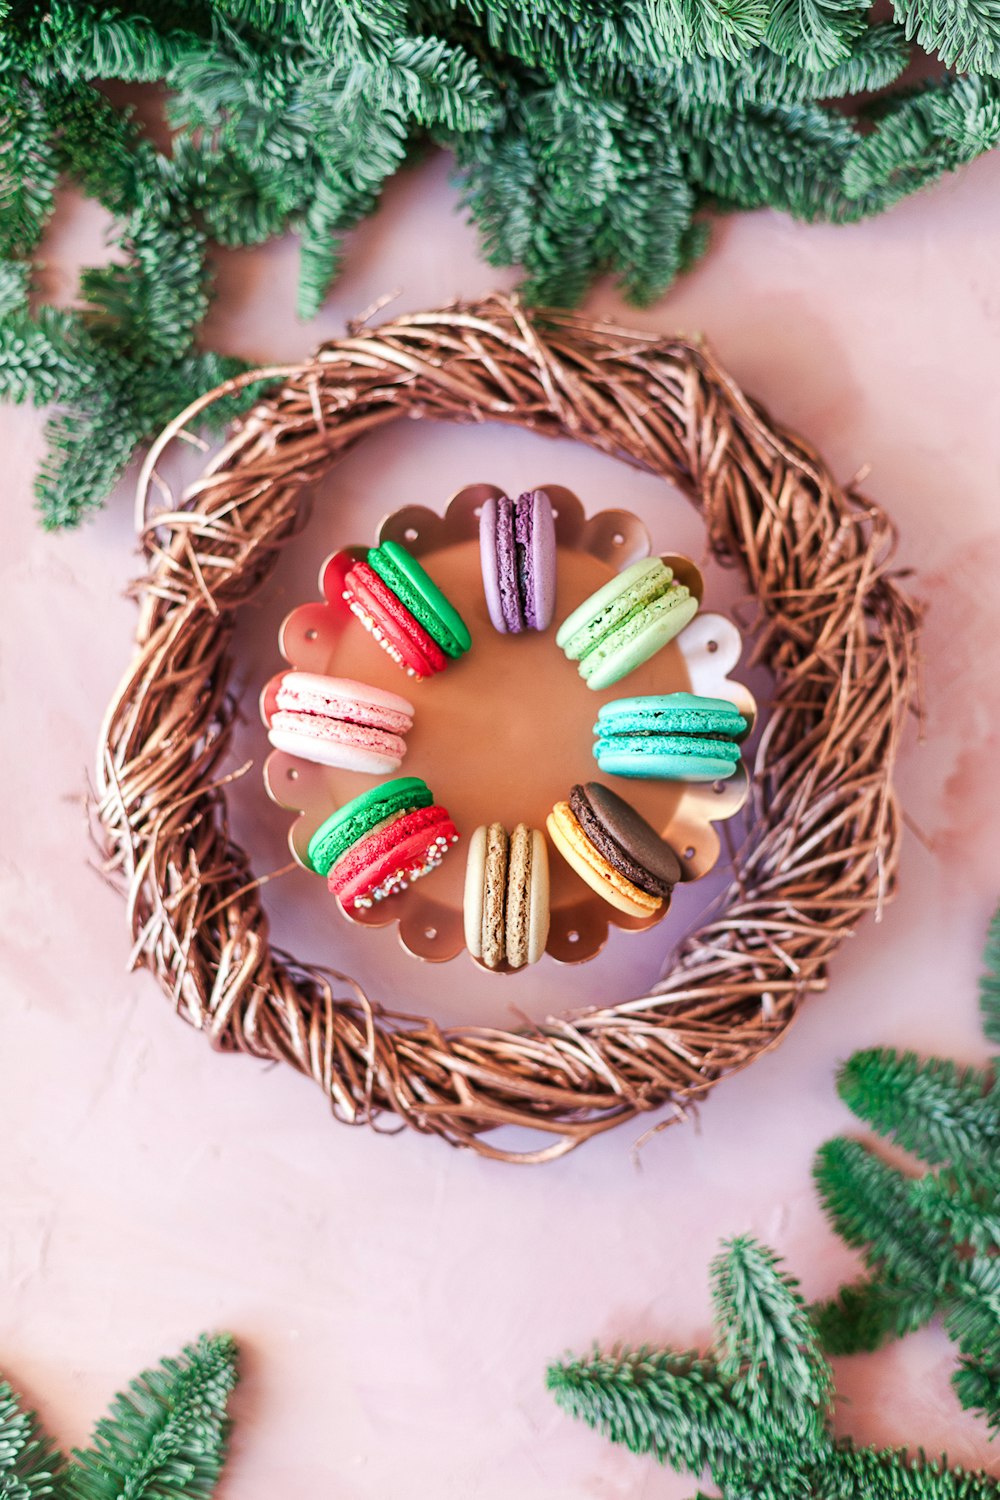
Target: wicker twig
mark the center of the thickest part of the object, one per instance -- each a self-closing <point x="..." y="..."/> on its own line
<point x="836" y="630"/>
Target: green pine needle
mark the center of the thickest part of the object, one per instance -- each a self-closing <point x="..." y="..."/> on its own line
<point x="934" y="1108"/>
<point x="165" y="1438"/>
<point x="989" y="984"/>
<point x="31" y="1467"/>
<point x="698" y="1415"/>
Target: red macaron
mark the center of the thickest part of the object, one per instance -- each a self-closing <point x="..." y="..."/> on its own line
<point x="390" y="857"/>
<point x="388" y="620"/>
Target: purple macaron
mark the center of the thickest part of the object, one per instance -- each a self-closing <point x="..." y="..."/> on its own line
<point x="517" y="544"/>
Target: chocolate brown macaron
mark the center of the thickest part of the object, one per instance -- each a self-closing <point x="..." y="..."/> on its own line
<point x="614" y="849"/>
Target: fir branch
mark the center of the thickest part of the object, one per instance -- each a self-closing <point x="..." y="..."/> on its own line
<point x="869" y="1205"/>
<point x="673" y="1406"/>
<point x="817" y="34"/>
<point x="989" y="984"/>
<point x="165" y="1438"/>
<point x="936" y="1109"/>
<point x="964" y="33"/>
<point x="768" y="1348"/>
<point x="922" y="135"/>
<point x="31" y="1467"/>
<point x="867" y="1314"/>
<point x="28" y="168"/>
<point x="708" y="28"/>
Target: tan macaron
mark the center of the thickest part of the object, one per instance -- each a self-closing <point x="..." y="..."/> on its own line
<point x="506" y="903"/>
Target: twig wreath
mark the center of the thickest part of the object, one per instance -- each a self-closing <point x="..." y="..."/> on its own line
<point x="835" y="629"/>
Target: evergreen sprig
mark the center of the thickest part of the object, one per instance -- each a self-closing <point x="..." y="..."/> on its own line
<point x="930" y="1243"/>
<point x="756" y="1412"/>
<point x="164" y="1439"/>
<point x="589" y="137"/>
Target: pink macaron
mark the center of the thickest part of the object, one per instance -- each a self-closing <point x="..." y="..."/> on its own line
<point x="391" y="856"/>
<point x="338" y="722"/>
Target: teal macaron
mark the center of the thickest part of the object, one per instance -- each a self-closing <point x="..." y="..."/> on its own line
<point x="414" y="588"/>
<point x="673" y="737"/>
<point x="351" y="822"/>
<point x="626" y="622"/>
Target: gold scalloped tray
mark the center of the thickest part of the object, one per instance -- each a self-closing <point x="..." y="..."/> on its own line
<point x="504" y="732"/>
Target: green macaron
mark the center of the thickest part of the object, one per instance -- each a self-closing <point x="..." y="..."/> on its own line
<point x="415" y="589"/>
<point x="626" y="622"/>
<point x="351" y="822"/>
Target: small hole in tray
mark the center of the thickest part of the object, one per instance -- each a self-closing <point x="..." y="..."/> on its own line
<point x="311" y="635"/>
<point x="572" y="936"/>
<point x="555" y="513"/>
<point x="430" y="933"/>
<point x="718" y="786"/>
<point x="689" y="852"/>
<point x="478" y="510"/>
<point x="293" y="774"/>
<point x="411" y="533"/>
<point x="712" y="646"/>
<point x="618" y="539"/>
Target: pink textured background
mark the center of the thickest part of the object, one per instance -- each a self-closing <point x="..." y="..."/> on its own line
<point x="397" y="1302"/>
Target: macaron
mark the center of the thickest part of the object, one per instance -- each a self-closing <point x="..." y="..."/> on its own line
<point x="506" y="903"/>
<point x="626" y="622"/>
<point x="674" y="737"/>
<point x="614" y="850"/>
<point x="336" y="721"/>
<point x="381" y="842"/>
<point x="517" y="547"/>
<point x="399" y="604"/>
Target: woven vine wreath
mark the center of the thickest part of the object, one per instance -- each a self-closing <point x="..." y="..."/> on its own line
<point x="835" y="629"/>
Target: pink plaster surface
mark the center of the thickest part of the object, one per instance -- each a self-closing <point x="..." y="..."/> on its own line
<point x="396" y="1301"/>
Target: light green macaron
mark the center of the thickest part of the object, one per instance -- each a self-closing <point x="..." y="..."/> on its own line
<point x="626" y="622"/>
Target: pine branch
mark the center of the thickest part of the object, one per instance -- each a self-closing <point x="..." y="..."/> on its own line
<point x="31" y="1467"/>
<point x="817" y="34"/>
<point x="937" y="1110"/>
<point x="165" y="1439"/>
<point x="768" y="1347"/>
<point x="28" y="168"/>
<point x="670" y="1405"/>
<point x="964" y="33"/>
<point x="922" y="135"/>
<point x="869" y="1205"/>
<point x="989" y="984"/>
<point x="867" y="1314"/>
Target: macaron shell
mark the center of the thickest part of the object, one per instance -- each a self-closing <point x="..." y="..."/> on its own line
<point x="659" y="763"/>
<point x="422" y="597"/>
<point x="581" y="856"/>
<point x="327" y="742"/>
<point x="349" y="823"/>
<point x="518" y="896"/>
<point x="472" y="903"/>
<point x="507" y="569"/>
<point x="670" y="713"/>
<point x="637" y="639"/>
<point x="657" y="868"/>
<point x="495" y="895"/>
<point x="540" y="581"/>
<point x="538" y="900"/>
<point x="488" y="563"/>
<point x="344" y="698"/>
<point x="610" y="604"/>
<point x="391" y="623"/>
<point x="392" y="857"/>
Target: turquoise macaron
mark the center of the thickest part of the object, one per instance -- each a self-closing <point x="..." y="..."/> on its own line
<point x="626" y="622"/>
<point x="673" y="737"/>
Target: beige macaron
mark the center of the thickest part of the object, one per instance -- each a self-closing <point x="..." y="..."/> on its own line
<point x="506" y="904"/>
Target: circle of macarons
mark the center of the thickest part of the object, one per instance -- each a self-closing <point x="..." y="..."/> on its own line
<point x="403" y="609"/>
<point x="517" y="548"/>
<point x="612" y="847"/>
<point x="381" y="842"/>
<point x="626" y="622"/>
<point x="506" y="903"/>
<point x="335" y="721"/>
<point x="671" y="737"/>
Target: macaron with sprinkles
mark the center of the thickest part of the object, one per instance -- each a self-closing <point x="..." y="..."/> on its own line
<point x="669" y="737"/>
<point x="403" y="609"/>
<point x="612" y="847"/>
<point x="381" y="842"/>
<point x="336" y="721"/>
<point x="517" y="546"/>
<point x="506" y="902"/>
<point x="626" y="622"/>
